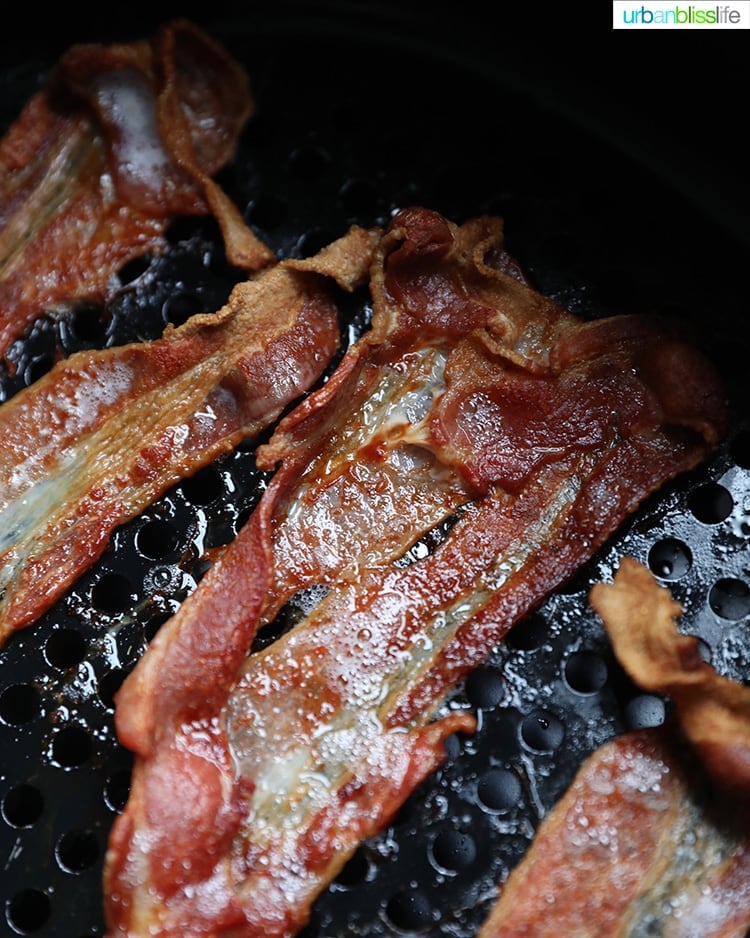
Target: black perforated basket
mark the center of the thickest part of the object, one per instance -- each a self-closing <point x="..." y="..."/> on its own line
<point x="358" y="115"/>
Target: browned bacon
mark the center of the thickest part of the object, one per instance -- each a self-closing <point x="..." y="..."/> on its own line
<point x="713" y="711"/>
<point x="120" y="141"/>
<point x="640" y="844"/>
<point x="651" y="837"/>
<point x="102" y="434"/>
<point x="473" y="400"/>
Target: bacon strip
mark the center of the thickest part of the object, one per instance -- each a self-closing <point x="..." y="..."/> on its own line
<point x="120" y="141"/>
<point x="95" y="440"/>
<point x="713" y="712"/>
<point x="650" y="836"/>
<point x="639" y="844"/>
<point x="472" y="398"/>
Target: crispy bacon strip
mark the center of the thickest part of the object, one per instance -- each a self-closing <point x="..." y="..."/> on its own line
<point x="472" y="396"/>
<point x="95" y="440"/>
<point x="639" y="844"/>
<point x="648" y="837"/>
<point x="641" y="617"/>
<point x="120" y="141"/>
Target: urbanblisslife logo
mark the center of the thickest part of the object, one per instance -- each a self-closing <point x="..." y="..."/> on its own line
<point x="668" y="14"/>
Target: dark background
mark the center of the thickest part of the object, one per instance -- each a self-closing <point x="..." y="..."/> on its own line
<point x="671" y="100"/>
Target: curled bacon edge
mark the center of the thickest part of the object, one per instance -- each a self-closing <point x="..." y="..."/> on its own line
<point x="613" y="851"/>
<point x="713" y="712"/>
<point x="120" y="141"/>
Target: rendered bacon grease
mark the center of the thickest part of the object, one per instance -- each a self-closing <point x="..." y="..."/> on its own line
<point x="653" y="836"/>
<point x="100" y="436"/>
<point x="473" y="406"/>
<point x="121" y="140"/>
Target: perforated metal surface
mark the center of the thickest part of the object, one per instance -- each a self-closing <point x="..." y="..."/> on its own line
<point x="347" y="131"/>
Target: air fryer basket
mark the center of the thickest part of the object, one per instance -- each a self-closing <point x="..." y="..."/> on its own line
<point x="349" y="128"/>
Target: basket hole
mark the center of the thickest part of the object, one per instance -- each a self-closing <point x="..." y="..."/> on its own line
<point x="112" y="593"/>
<point x="23" y="805"/>
<point x="644" y="711"/>
<point x="85" y="327"/>
<point x="28" y="911"/>
<point x="204" y="487"/>
<point x="670" y="559"/>
<point x="179" y="307"/>
<point x="529" y="633"/>
<point x="454" y="850"/>
<point x="704" y="649"/>
<point x="156" y="539"/>
<point x="133" y="269"/>
<point x="499" y="790"/>
<point x="410" y="910"/>
<point x="711" y="503"/>
<point x="586" y="672"/>
<point x="355" y="871"/>
<point x="117" y="790"/>
<point x="37" y="368"/>
<point x="77" y="851"/>
<point x="542" y="731"/>
<point x="729" y="598"/>
<point x="71" y="747"/>
<point x="65" y="649"/>
<point x="109" y="684"/>
<point x="485" y="688"/>
<point x="580" y="581"/>
<point x="153" y="625"/>
<point x="19" y="703"/>
<point x="86" y="323"/>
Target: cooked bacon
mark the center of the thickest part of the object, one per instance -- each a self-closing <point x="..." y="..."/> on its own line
<point x="651" y="837"/>
<point x="120" y="141"/>
<point x="102" y="434"/>
<point x="713" y="711"/>
<point x="472" y="400"/>
<point x="641" y="843"/>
